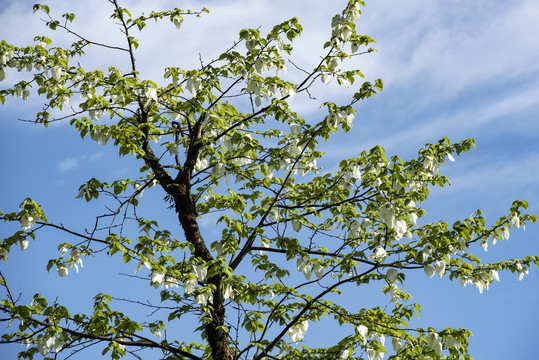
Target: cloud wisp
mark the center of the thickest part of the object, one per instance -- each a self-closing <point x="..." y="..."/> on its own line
<point x="68" y="164"/>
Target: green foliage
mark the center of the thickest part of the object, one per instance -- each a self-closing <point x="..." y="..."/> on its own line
<point x="222" y="138"/>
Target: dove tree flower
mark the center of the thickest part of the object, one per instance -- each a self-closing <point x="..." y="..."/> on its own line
<point x="46" y="344"/>
<point x="193" y="84"/>
<point x="27" y="221"/>
<point x="248" y="214"/>
<point x="297" y="332"/>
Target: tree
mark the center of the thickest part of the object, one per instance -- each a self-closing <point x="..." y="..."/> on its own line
<point x="223" y="139"/>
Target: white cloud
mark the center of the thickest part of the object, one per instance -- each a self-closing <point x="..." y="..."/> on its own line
<point x="435" y="48"/>
<point x="502" y="175"/>
<point x="96" y="156"/>
<point x="72" y="163"/>
<point x="68" y="164"/>
<point x="468" y="121"/>
<point x="442" y="48"/>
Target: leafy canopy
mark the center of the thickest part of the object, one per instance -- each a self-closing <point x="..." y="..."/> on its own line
<point x="223" y="139"/>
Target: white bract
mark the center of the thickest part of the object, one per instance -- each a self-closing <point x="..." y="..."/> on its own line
<point x="296" y="224"/>
<point x="173" y="149"/>
<point x="46" y="344"/>
<point x="170" y="282"/>
<point x="380" y="255"/>
<point x="95" y="114"/>
<point x="154" y="328"/>
<point x="200" y="271"/>
<point x="261" y="65"/>
<point x="326" y="78"/>
<point x="270" y="90"/>
<point x="333" y="63"/>
<point x="484" y="244"/>
<point x="151" y="95"/>
<point x="173" y="114"/>
<point x="56" y="72"/>
<point x="515" y="220"/>
<point x="427" y="251"/>
<point x="266" y="245"/>
<point x="138" y="187"/>
<point x="502" y="233"/>
<point x="177" y="21"/>
<point x="297" y="332"/>
<point x="400" y="229"/>
<point x="194" y="84"/>
<point x="287" y="91"/>
<point x="464" y="281"/>
<point x="75" y="259"/>
<point x="304" y="266"/>
<point x="295" y="128"/>
<point x="353" y="12"/>
<point x="280" y="44"/>
<point x="363" y="331"/>
<point x="434" y="343"/>
<point x="355" y="228"/>
<point x="62" y="270"/>
<point x="204" y="298"/>
<point x="157" y="278"/>
<point x="229" y="292"/>
<point x="253" y="86"/>
<point x="373" y="355"/>
<point x="430" y="164"/>
<point x="521" y="270"/>
<point x="346" y="32"/>
<point x="451" y="341"/>
<point x="27" y="221"/>
<point x="250" y="42"/>
<point x="440" y="268"/>
<point x="366" y="223"/>
<point x="387" y="214"/>
<point x="394" y="293"/>
<point x="391" y="275"/>
<point x="429" y="270"/>
<point x="396" y="343"/>
<point x="356" y="172"/>
<point x="493" y="275"/>
<point x="101" y="136"/>
<point x="481" y="282"/>
<point x="189" y="285"/>
<point x="318" y="270"/>
<point x="143" y="263"/>
<point x="344" y="81"/>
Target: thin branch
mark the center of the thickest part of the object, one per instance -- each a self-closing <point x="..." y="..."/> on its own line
<point x="86" y="40"/>
<point x="142" y="342"/>
<point x="307" y="306"/>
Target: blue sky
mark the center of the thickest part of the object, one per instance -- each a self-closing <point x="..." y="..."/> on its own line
<point x="450" y="68"/>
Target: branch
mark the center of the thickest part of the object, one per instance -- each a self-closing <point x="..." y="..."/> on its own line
<point x="247" y="247"/>
<point x="126" y="29"/>
<point x="142" y="342"/>
<point x="90" y="238"/>
<point x="86" y="40"/>
<point x="307" y="307"/>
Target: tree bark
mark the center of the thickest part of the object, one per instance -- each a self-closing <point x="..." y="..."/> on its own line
<point x="185" y="206"/>
<point x="187" y="215"/>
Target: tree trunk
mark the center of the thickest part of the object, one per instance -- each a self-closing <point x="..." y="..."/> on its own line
<point x="186" y="210"/>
